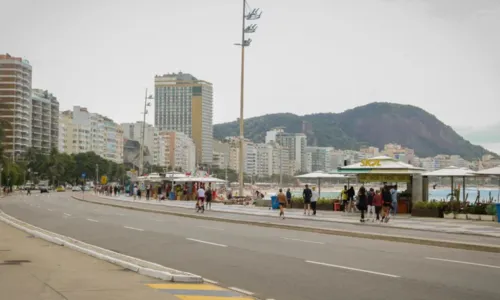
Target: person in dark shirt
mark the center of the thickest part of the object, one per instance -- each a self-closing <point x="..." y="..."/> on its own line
<point x="289" y="197"/>
<point x="387" y="204"/>
<point x="362" y="203"/>
<point x="307" y="195"/>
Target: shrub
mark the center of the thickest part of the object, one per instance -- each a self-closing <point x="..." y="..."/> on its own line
<point x="420" y="204"/>
<point x="491" y="209"/>
<point x="298" y="200"/>
<point x="322" y="201"/>
<point x="452" y="207"/>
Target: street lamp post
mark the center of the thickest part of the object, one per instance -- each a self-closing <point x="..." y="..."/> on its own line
<point x="250" y="14"/>
<point x="1" y="188"/>
<point x="145" y="112"/>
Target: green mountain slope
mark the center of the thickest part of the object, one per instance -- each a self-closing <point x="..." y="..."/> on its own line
<point x="375" y="124"/>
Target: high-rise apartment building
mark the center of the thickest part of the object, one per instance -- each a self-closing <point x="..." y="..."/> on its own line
<point x="44" y="121"/>
<point x="320" y="158"/>
<point x="82" y="131"/>
<point x="180" y="150"/>
<point x="152" y="140"/>
<point x="185" y="104"/>
<point x="15" y="104"/>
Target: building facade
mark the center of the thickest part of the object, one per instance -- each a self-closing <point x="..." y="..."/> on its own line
<point x="180" y="151"/>
<point x="15" y="104"/>
<point x="152" y="140"/>
<point x="320" y="158"/>
<point x="44" y="121"/>
<point x="264" y="165"/>
<point x="185" y="104"/>
<point x="84" y="132"/>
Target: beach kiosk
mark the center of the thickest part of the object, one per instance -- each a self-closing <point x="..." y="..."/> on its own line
<point x="384" y="169"/>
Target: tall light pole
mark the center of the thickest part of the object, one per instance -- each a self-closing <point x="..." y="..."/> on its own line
<point x="145" y="112"/>
<point x="250" y="14"/>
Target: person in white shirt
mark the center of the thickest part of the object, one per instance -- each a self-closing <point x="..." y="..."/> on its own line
<point x="201" y="198"/>
<point x="314" y="200"/>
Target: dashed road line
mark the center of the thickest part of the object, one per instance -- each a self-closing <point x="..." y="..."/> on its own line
<point x="205" y="242"/>
<point x="464" y="262"/>
<point x="67" y="215"/>
<point x="304" y="241"/>
<point x="92" y="220"/>
<point x="133" y="228"/>
<point x="352" y="269"/>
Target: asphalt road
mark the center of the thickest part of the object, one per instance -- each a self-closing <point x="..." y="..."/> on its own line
<point x="272" y="263"/>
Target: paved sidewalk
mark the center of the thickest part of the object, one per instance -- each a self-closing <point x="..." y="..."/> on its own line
<point x="403" y="221"/>
<point x="32" y="269"/>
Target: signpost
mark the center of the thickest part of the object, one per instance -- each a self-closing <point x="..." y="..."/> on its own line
<point x="83" y="186"/>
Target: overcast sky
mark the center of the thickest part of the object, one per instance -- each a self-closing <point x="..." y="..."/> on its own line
<point x="306" y="56"/>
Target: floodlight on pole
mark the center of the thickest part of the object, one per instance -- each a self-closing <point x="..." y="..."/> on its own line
<point x="250" y="15"/>
<point x="145" y="112"/>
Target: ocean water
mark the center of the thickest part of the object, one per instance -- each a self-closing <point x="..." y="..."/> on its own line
<point x="440" y="194"/>
<point x="437" y="194"/>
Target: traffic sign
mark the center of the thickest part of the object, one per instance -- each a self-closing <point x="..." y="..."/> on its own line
<point x="83" y="175"/>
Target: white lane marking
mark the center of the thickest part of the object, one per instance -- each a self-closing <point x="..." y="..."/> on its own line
<point x="133" y="228"/>
<point x="464" y="262"/>
<point x="118" y="214"/>
<point x="156" y="220"/>
<point x="211" y="228"/>
<point x="92" y="220"/>
<point x="49" y="209"/>
<point x="210" y="281"/>
<point x="352" y="269"/>
<point x="67" y="215"/>
<point x="304" y="241"/>
<point x="205" y="242"/>
<point x="241" y="291"/>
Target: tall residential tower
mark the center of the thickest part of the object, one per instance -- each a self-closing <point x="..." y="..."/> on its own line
<point x="15" y="104"/>
<point x="185" y="104"/>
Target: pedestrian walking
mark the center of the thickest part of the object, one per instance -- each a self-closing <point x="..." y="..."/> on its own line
<point x="345" y="198"/>
<point x="307" y="195"/>
<point x="148" y="192"/>
<point x="371" y="208"/>
<point x="377" y="203"/>
<point x="135" y="190"/>
<point x="208" y="197"/>
<point x="28" y="191"/>
<point x="386" y="205"/>
<point x="289" y="197"/>
<point x="394" y="197"/>
<point x="314" y="200"/>
<point x="201" y="198"/>
<point x="350" y="195"/>
<point x="362" y="203"/>
<point x="282" y="202"/>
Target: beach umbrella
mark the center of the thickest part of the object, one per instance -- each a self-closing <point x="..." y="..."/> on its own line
<point x="492" y="172"/>
<point x="318" y="175"/>
<point x="452" y="172"/>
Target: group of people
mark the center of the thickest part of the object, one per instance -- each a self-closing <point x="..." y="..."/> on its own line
<point x="204" y="198"/>
<point x="378" y="205"/>
<point x="310" y="197"/>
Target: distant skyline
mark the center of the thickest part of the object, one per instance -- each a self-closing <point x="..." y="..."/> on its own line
<point x="323" y="56"/>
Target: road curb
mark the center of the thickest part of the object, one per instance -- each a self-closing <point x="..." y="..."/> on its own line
<point x="163" y="275"/>
<point x="339" y="232"/>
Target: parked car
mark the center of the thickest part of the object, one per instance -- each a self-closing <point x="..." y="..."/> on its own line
<point x="43" y="189"/>
<point x="60" y="189"/>
<point x="86" y="188"/>
<point x="76" y="189"/>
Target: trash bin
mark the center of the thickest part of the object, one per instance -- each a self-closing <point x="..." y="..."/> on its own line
<point x="336" y="206"/>
<point x="172" y="196"/>
<point x="274" y="202"/>
<point x="498" y="211"/>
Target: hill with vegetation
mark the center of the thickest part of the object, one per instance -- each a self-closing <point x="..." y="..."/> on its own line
<point x="375" y="124"/>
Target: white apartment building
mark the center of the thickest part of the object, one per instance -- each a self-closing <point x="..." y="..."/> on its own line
<point x="250" y="158"/>
<point x="44" y="121"/>
<point x="320" y="158"/>
<point x="281" y="161"/>
<point x="152" y="140"/>
<point x="83" y="131"/>
<point x="180" y="150"/>
<point x="220" y="154"/>
<point x="264" y="165"/>
<point x="296" y="144"/>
